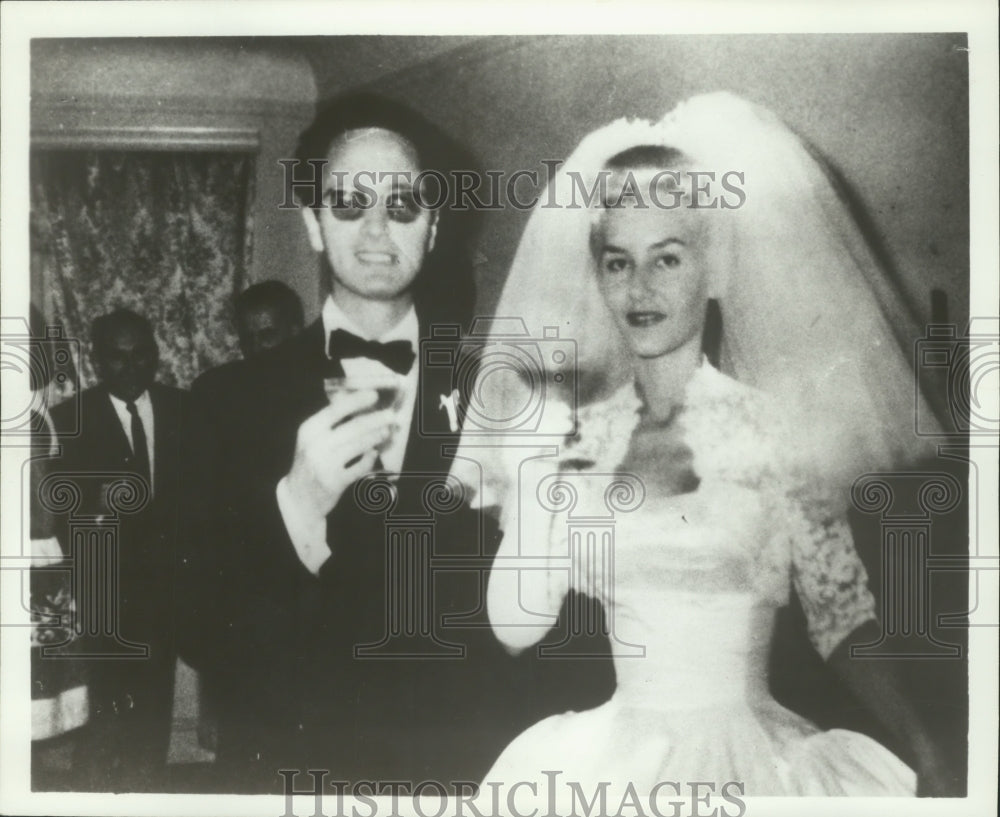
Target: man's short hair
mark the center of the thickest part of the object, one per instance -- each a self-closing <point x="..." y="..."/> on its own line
<point x="271" y="295"/>
<point x="362" y="110"/>
<point x="103" y="327"/>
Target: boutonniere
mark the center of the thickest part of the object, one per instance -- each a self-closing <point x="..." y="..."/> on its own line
<point x="449" y="403"/>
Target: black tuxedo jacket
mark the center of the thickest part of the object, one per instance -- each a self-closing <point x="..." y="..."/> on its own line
<point x="143" y="602"/>
<point x="281" y="644"/>
<point x="148" y="536"/>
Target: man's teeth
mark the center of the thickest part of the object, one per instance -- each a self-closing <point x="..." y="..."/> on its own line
<point x="376" y="257"/>
<point x="644" y="318"/>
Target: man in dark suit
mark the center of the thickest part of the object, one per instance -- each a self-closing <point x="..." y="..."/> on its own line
<point x="312" y="604"/>
<point x="131" y="430"/>
<point x="267" y="314"/>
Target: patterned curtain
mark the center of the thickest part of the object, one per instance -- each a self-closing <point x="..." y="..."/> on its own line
<point x="166" y="234"/>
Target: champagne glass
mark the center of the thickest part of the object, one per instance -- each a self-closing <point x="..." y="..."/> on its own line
<point x="387" y="386"/>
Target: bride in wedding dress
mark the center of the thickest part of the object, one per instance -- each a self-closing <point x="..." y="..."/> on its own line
<point x="731" y="484"/>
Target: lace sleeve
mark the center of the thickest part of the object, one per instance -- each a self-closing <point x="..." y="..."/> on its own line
<point x="829" y="577"/>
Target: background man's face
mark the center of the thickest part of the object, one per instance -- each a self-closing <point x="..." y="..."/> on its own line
<point x="126" y="364"/>
<point x="263" y="328"/>
<point x="375" y="248"/>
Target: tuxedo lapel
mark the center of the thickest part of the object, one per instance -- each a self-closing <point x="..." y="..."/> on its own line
<point x="429" y="423"/>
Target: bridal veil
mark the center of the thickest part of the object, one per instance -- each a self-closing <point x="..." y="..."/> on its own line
<point x="809" y="315"/>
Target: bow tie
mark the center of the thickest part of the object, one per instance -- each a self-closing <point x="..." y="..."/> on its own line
<point x="396" y="354"/>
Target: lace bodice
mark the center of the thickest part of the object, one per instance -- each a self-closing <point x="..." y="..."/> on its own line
<point x="751" y="527"/>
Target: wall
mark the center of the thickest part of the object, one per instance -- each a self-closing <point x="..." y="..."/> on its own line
<point x="890" y="111"/>
<point x="152" y="92"/>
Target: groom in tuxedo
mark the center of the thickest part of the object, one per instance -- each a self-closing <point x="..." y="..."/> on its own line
<point x="311" y="604"/>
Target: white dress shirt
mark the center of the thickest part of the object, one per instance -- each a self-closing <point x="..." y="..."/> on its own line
<point x="308" y="534"/>
<point x="144" y="406"/>
<point x="407" y="329"/>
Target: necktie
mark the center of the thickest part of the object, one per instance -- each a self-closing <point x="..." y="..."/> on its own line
<point x="397" y="355"/>
<point x="140" y="449"/>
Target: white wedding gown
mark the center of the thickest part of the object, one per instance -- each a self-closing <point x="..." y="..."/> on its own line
<point x="697" y="578"/>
